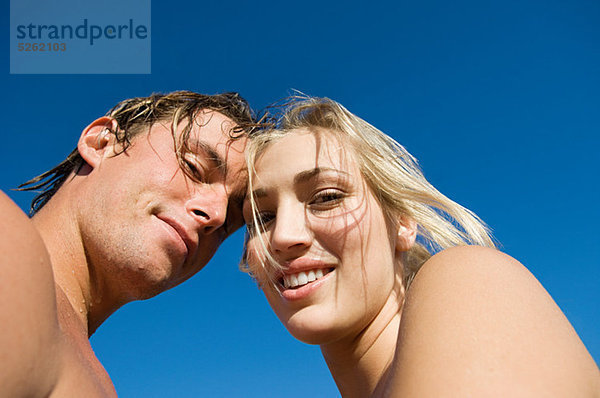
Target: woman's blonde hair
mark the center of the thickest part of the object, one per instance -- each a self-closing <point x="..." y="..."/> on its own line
<point x="392" y="174"/>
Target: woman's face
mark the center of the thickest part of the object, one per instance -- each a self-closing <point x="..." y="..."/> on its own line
<point x="324" y="227"/>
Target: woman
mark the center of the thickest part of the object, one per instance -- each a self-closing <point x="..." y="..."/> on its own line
<point x="340" y="219"/>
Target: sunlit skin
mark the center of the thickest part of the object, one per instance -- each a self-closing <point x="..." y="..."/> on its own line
<point x="141" y="205"/>
<point x="125" y="226"/>
<point x="133" y="208"/>
<point x="474" y="322"/>
<point x="318" y="208"/>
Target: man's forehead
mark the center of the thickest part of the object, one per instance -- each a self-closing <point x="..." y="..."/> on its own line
<point x="213" y="126"/>
<point x="210" y="119"/>
<point x="211" y="136"/>
<point x="205" y="119"/>
<point x="214" y="138"/>
<point x="215" y="130"/>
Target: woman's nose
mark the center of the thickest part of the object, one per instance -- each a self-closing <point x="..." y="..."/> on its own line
<point x="291" y="233"/>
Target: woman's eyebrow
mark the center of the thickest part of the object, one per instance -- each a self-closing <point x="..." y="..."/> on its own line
<point x="306" y="175"/>
<point x="303" y="177"/>
<point x="259" y="193"/>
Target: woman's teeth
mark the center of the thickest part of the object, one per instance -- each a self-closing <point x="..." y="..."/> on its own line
<point x="303" y="278"/>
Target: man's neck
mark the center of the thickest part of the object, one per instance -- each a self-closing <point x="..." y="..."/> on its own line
<point x="57" y="224"/>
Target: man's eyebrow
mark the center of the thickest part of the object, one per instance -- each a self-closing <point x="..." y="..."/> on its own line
<point x="212" y="155"/>
<point x="302" y="177"/>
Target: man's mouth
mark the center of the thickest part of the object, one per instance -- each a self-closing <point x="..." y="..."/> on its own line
<point x="302" y="278"/>
<point x="190" y="244"/>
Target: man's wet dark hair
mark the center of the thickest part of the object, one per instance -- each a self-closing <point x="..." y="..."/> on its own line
<point x="135" y="116"/>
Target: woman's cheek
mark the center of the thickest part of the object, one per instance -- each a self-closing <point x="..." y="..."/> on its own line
<point x="338" y="229"/>
<point x="255" y="258"/>
<point x="261" y="268"/>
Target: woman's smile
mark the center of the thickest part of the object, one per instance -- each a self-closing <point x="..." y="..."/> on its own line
<point x="325" y="233"/>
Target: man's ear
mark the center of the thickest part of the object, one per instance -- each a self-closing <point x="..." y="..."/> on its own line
<point x="96" y="140"/>
<point x="407" y="234"/>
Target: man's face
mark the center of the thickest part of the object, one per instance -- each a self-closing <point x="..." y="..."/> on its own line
<point x="147" y="226"/>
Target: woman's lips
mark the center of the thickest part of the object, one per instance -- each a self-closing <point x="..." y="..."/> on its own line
<point x="296" y="280"/>
<point x="305" y="290"/>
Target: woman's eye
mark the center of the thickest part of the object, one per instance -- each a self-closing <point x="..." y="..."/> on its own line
<point x="265" y="217"/>
<point x="262" y="218"/>
<point x="327" y="197"/>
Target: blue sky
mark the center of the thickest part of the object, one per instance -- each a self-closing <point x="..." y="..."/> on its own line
<point x="498" y="100"/>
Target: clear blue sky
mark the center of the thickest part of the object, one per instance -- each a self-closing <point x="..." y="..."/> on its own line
<point x="498" y="100"/>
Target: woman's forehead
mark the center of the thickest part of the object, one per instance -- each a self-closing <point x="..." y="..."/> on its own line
<point x="308" y="149"/>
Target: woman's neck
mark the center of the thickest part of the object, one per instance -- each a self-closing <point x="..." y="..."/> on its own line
<point x="359" y="363"/>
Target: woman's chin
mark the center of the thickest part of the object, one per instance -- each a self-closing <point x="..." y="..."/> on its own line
<point x="314" y="332"/>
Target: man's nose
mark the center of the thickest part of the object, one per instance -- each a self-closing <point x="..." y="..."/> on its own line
<point x="208" y="208"/>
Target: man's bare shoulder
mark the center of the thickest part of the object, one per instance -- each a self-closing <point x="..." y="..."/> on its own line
<point x="22" y="244"/>
<point x="30" y="337"/>
<point x="477" y="322"/>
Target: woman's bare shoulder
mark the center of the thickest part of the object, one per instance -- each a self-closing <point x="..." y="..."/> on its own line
<point x="477" y="322"/>
<point x="30" y="338"/>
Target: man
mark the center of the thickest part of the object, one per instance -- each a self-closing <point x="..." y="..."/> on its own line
<point x="138" y="207"/>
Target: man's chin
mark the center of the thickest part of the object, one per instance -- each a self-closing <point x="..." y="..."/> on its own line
<point x="147" y="282"/>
